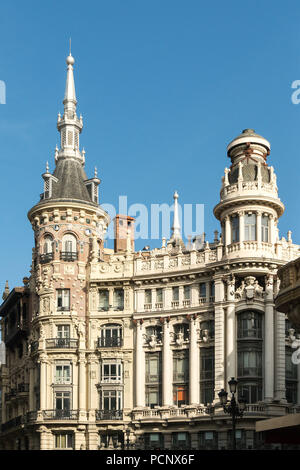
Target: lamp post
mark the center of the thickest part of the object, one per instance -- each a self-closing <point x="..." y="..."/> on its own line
<point x="232" y="407"/>
<point x="127" y="439"/>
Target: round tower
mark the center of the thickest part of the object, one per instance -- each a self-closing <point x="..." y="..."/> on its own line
<point x="249" y="206"/>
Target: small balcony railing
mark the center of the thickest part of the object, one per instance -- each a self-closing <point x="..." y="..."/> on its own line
<point x="60" y="414"/>
<point x="62" y="343"/>
<point x="107" y="415"/>
<point x="46" y="257"/>
<point x="68" y="255"/>
<point x="110" y="342"/>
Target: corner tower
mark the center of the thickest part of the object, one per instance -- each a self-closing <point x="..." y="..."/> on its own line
<point x="249" y="206"/>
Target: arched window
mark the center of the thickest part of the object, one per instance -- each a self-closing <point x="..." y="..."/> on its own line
<point x="111" y="336"/>
<point x="249" y="325"/>
<point x="69" y="250"/>
<point x="48" y="244"/>
<point x="47" y="249"/>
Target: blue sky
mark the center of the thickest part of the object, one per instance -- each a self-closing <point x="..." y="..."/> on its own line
<point x="163" y="86"/>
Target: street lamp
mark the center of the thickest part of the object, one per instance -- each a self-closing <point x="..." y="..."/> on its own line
<point x="127" y="439"/>
<point x="232" y="407"/>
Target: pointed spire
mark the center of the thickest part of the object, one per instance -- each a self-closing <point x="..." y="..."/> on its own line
<point x="176" y="229"/>
<point x="6" y="291"/>
<point x="70" y="84"/>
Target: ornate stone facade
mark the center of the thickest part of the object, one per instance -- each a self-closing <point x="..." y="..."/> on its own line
<point x="131" y="348"/>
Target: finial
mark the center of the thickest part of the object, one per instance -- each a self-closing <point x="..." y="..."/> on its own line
<point x="95" y="173"/>
<point x="6" y="291"/>
<point x="176" y="225"/>
<point x="70" y="59"/>
<point x="70" y="41"/>
<point x="47" y="167"/>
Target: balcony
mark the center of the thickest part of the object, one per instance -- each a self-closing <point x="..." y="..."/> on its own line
<point x="147" y="307"/>
<point x="60" y="414"/>
<point x="61" y="343"/>
<point x="110" y="342"/>
<point x="68" y="255"/>
<point x="46" y="258"/>
<point x="186" y="303"/>
<point x="109" y="415"/>
<point x="175" y="304"/>
<point x="18" y="329"/>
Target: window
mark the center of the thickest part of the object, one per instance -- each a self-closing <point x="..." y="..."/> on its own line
<point x="202" y="290"/>
<point x="118" y="299"/>
<point x="62" y="374"/>
<point x="63" y="331"/>
<point x="159" y="295"/>
<point x="175" y="291"/>
<point x="180" y="440"/>
<point x="69" y="250"/>
<point x="265" y="228"/>
<point x="251" y="391"/>
<point x="208" y="440"/>
<point x="148" y="296"/>
<point x="63" y="299"/>
<point x="291" y="377"/>
<point x="235" y="229"/>
<point x="182" y="328"/>
<point x="111" y="372"/>
<point x="154" y="441"/>
<point x="111" y="336"/>
<point x="207" y="329"/>
<point x="180" y="366"/>
<point x="153" y="379"/>
<point x="63" y="441"/>
<point x="111" y="400"/>
<point x="154" y="331"/>
<point x="153" y="367"/>
<point x="207" y="375"/>
<point x="249" y="325"/>
<point x="250" y="227"/>
<point x="103" y="300"/>
<point x="48" y="244"/>
<point x="186" y="292"/>
<point x="62" y="403"/>
<point x="250" y="363"/>
<point x="180" y="395"/>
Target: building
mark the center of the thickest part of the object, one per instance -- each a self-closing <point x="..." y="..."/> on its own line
<point x="113" y="348"/>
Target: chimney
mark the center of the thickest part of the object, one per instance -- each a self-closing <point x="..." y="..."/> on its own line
<point x="122" y="225"/>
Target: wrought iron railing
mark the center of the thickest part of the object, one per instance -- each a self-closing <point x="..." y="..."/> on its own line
<point x="68" y="255"/>
<point x="107" y="415"/>
<point x="46" y="257"/>
<point x="110" y="342"/>
<point x="61" y="343"/>
<point x="60" y="414"/>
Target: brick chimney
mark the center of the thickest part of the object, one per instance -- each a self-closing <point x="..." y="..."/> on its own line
<point x="123" y="224"/>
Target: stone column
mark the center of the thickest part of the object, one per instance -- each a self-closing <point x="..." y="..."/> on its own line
<point x="219" y="338"/>
<point x="258" y="228"/>
<point x="272" y="231"/>
<point x="207" y="291"/>
<point x="194" y="390"/>
<point x="167" y="297"/>
<point x="269" y="340"/>
<point x="167" y="367"/>
<point x="230" y="332"/>
<point x="43" y="383"/>
<point x="31" y="387"/>
<point x="241" y="227"/>
<point x="82" y="383"/>
<point x="280" y="356"/>
<point x="140" y="298"/>
<point x="227" y="231"/>
<point x="195" y="295"/>
<point x="111" y="297"/>
<point x="153" y="298"/>
<point x="140" y="366"/>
